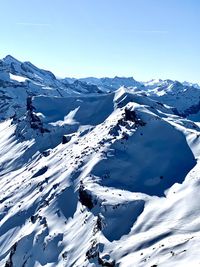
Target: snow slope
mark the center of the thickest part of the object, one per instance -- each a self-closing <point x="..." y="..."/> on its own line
<point x="96" y="178"/>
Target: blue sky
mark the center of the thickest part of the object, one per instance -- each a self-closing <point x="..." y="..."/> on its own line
<point x="141" y="38"/>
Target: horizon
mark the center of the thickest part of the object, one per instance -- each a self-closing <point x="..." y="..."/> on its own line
<point x="139" y="39"/>
<point x="100" y="77"/>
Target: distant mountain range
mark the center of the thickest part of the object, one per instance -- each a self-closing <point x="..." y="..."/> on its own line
<point x="97" y="171"/>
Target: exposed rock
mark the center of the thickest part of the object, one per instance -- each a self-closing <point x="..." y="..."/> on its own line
<point x="9" y="262"/>
<point x="66" y="139"/>
<point x="86" y="198"/>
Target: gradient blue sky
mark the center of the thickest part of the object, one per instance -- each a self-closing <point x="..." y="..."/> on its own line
<point x="141" y="38"/>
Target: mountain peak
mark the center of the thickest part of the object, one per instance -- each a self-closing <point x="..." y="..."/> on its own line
<point x="10" y="59"/>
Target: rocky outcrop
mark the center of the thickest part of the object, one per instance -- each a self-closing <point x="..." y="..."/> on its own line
<point x="35" y="121"/>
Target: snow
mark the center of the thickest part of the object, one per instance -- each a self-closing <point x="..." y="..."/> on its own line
<point x="17" y="78"/>
<point x="121" y="190"/>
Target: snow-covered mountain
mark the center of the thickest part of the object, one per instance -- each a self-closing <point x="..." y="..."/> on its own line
<point x="97" y="172"/>
<point x="107" y="84"/>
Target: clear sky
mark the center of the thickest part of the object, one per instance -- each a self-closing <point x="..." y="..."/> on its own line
<point x="141" y="38"/>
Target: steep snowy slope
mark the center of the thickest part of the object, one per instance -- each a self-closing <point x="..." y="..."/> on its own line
<point x="89" y="179"/>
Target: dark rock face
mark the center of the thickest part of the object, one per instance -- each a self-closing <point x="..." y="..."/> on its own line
<point x="66" y="139"/>
<point x="106" y="263"/>
<point x="94" y="253"/>
<point x="33" y="218"/>
<point x="29" y="105"/>
<point x="46" y="153"/>
<point x="9" y="262"/>
<point x="40" y="172"/>
<point x="130" y="115"/>
<point x="86" y="198"/>
<point x="35" y="121"/>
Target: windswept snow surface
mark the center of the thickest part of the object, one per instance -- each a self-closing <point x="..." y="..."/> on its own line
<point x="97" y="172"/>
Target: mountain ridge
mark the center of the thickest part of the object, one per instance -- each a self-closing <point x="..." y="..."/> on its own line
<point x="97" y="174"/>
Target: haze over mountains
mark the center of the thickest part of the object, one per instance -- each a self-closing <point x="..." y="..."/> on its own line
<point x="97" y="172"/>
